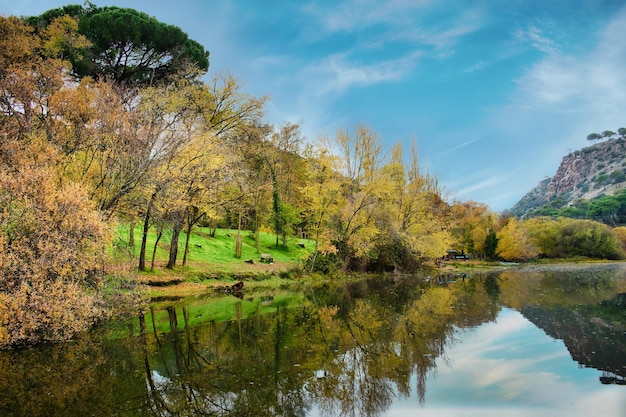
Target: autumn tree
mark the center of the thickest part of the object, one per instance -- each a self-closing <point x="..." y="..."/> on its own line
<point x="283" y="161"/>
<point x="322" y="195"/>
<point x="52" y="245"/>
<point x="249" y="193"/>
<point x="29" y="76"/>
<point x="360" y="156"/>
<point x="470" y="223"/>
<point x="620" y="232"/>
<point x="514" y="243"/>
<point x="192" y="180"/>
<point x="423" y="216"/>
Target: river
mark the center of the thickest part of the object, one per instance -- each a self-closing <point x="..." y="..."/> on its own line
<point x="540" y="341"/>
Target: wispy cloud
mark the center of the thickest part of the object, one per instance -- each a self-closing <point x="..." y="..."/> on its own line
<point x="476" y="67"/>
<point x="354" y="15"/>
<point x="461" y="145"/>
<point x="489" y="182"/>
<point x="339" y="72"/>
<point x="425" y="23"/>
<point x="537" y="39"/>
<point x="591" y="84"/>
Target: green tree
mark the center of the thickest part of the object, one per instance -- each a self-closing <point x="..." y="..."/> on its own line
<point x="604" y="209"/>
<point x="491" y="244"/>
<point x="591" y="239"/>
<point x="608" y="134"/>
<point x="283" y="161"/>
<point x="594" y="136"/>
<point x="126" y="45"/>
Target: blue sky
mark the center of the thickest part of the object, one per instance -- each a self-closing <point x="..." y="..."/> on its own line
<point x="494" y="92"/>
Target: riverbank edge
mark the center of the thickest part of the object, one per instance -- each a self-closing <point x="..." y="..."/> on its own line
<point x="173" y="285"/>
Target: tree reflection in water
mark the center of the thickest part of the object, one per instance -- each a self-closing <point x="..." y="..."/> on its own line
<point x="349" y="354"/>
<point x="345" y="350"/>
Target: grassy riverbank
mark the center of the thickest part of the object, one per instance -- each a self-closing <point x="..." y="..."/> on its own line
<point x="212" y="266"/>
<point x="211" y="261"/>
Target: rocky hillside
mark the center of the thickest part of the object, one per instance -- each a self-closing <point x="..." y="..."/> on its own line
<point x="587" y="173"/>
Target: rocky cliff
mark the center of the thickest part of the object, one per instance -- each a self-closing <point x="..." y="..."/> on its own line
<point x="587" y="173"/>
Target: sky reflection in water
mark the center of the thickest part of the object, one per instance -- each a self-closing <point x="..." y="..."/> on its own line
<point x="502" y="344"/>
<point x="511" y="368"/>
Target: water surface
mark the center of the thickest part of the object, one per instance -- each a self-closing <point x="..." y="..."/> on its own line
<point x="541" y="342"/>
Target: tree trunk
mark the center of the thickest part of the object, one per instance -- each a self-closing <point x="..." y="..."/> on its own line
<point x="176" y="229"/>
<point x="144" y="240"/>
<point x="213" y="227"/>
<point x="146" y="228"/>
<point x="256" y="230"/>
<point x="131" y="234"/>
<point x="187" y="244"/>
<point x="193" y="217"/>
<point x="158" y="237"/>
<point x="238" y="242"/>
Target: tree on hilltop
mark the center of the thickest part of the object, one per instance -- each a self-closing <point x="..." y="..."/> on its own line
<point x="608" y="134"/>
<point x="594" y="136"/>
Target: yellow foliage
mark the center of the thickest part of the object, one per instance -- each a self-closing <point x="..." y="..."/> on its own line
<point x="61" y="36"/>
<point x="620" y="232"/>
<point x="514" y="243"/>
<point x="51" y="242"/>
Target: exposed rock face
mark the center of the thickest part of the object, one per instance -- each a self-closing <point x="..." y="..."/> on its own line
<point x="586" y="173"/>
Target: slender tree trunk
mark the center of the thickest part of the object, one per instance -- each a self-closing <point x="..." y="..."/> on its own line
<point x="275" y="202"/>
<point x="156" y="243"/>
<point x="186" y="252"/>
<point x="193" y="218"/>
<point x="176" y="229"/>
<point x="238" y="242"/>
<point x="256" y="230"/>
<point x="146" y="228"/>
<point x="131" y="234"/>
<point x="213" y="227"/>
<point x="276" y="207"/>
<point x="144" y="240"/>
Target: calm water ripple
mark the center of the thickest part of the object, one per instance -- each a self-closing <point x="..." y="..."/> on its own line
<point x="540" y="342"/>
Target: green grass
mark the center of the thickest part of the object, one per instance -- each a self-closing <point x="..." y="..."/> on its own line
<point x="204" y="249"/>
<point x="211" y="261"/>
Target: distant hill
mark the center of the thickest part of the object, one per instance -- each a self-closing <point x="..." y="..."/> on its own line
<point x="585" y="174"/>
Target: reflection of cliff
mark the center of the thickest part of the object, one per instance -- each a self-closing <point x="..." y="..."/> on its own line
<point x="592" y="342"/>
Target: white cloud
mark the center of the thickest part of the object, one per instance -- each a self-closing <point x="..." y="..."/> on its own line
<point x="535" y="36"/>
<point x="354" y="15"/>
<point x="337" y="72"/>
<point x="476" y="67"/>
<point x="591" y="84"/>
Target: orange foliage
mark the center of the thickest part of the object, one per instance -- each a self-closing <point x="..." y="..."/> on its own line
<point x="51" y="242"/>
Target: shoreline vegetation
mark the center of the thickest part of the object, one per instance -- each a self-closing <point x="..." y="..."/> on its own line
<point x="213" y="268"/>
<point x="110" y="158"/>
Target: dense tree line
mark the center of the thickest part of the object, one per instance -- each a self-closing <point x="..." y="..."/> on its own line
<point x="607" y="209"/>
<point x="99" y="127"/>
